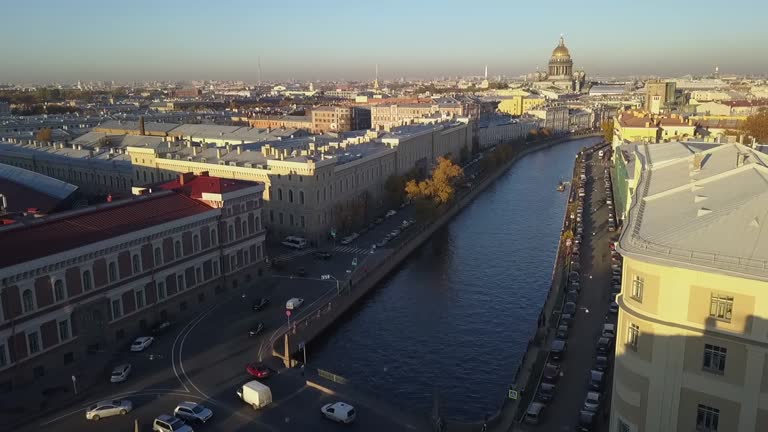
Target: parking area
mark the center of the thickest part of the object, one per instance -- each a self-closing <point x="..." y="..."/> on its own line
<point x="573" y="393"/>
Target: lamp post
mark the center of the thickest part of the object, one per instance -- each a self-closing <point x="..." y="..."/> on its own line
<point x="328" y="277"/>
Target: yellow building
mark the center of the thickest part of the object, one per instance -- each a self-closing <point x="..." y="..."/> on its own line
<point x="640" y="126"/>
<point x="692" y="334"/>
<point x="519" y="105"/>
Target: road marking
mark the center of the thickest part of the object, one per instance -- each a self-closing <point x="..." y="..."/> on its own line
<point x="290" y="396"/>
<point x="181" y="348"/>
<point x="175" y="341"/>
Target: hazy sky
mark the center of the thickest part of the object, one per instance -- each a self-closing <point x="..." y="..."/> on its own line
<point x="326" y="39"/>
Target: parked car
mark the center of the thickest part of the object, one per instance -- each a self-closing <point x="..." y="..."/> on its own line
<point x="260" y="303"/>
<point x="161" y="327"/>
<point x="546" y="392"/>
<point x="569" y="308"/>
<point x="142" y="343"/>
<point x="572" y="296"/>
<point x="573" y="276"/>
<point x="378" y="221"/>
<point x="256" y="330"/>
<point x="587" y="420"/>
<point x="613" y="307"/>
<point x="604" y="345"/>
<point x="566" y="319"/>
<point x="108" y="408"/>
<point x="601" y="363"/>
<point x="258" y="370"/>
<point x="192" y="412"/>
<point x="390" y="213"/>
<point x="596" y="379"/>
<point x="395" y="232"/>
<point x="382" y="242"/>
<point x="592" y="401"/>
<point x="534" y="413"/>
<point x="120" y="373"/>
<point x="551" y="373"/>
<point x="609" y="331"/>
<point x="557" y="349"/>
<point x="340" y="412"/>
<point x="294" y="303"/>
<point x="323" y="255"/>
<point x="562" y="331"/>
<point x="166" y="423"/>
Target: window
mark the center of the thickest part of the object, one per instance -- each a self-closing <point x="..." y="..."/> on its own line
<point x="707" y="418"/>
<point x="215" y="267"/>
<point x="721" y="307"/>
<point x="139" y="299"/>
<point x="34" y="342"/>
<point x="232" y="262"/>
<point x="180" y="282"/>
<point x="58" y="290"/>
<point x="63" y="330"/>
<point x="117" y="309"/>
<point x="112" y="271"/>
<point x="136" y="261"/>
<point x="279" y="194"/>
<point x="714" y="358"/>
<point x="633" y="334"/>
<point x="303" y="222"/>
<point x="637" y="288"/>
<point x="280" y="218"/>
<point x="27" y="301"/>
<point x="231" y="232"/>
<point x="245" y="257"/>
<point x="290" y="195"/>
<point x="198" y="275"/>
<point x="213" y="237"/>
<point x="245" y="228"/>
<point x="158" y="256"/>
<point x="177" y="249"/>
<point x="196" y="243"/>
<point x="272" y="216"/>
<point x="87" y="281"/>
<point x="301" y="197"/>
<point x="3" y="358"/>
<point x="290" y="218"/>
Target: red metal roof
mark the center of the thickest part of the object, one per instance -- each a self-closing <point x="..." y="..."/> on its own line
<point x="195" y="186"/>
<point x="24" y="241"/>
<point x="21" y="197"/>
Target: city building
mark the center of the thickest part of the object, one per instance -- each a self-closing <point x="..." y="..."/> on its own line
<point x="691" y="347"/>
<point x="400" y="114"/>
<point x="560" y="72"/>
<point x="497" y="129"/>
<point x="5" y="108"/>
<point x="339" y="119"/>
<point x="280" y="122"/>
<point x="658" y="94"/>
<point x="633" y="126"/>
<point x="732" y="108"/>
<point x="187" y="93"/>
<point x="27" y="192"/>
<point x="518" y="105"/>
<point x="556" y="117"/>
<point x="109" y="272"/>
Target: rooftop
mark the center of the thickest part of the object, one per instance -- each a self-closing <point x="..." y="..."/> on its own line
<point x="70" y="230"/>
<point x="700" y="206"/>
<point x="196" y="185"/>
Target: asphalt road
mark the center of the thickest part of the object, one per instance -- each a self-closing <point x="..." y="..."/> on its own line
<point x="562" y="413"/>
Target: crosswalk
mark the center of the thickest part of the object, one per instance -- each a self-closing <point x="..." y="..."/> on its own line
<point x="351" y="249"/>
<point x="295" y="254"/>
<point x="302" y="252"/>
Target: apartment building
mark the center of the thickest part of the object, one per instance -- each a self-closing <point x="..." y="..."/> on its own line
<point x="108" y="273"/>
<point x="692" y="336"/>
<point x="399" y="114"/>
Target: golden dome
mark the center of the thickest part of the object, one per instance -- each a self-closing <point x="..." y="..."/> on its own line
<point x="561" y="51"/>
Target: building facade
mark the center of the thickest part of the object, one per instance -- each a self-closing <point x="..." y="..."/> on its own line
<point x="131" y="264"/>
<point x="692" y="344"/>
<point x="658" y="94"/>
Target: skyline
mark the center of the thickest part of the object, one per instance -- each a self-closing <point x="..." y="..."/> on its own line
<point x="175" y="40"/>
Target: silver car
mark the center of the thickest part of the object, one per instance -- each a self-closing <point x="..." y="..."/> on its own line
<point x="120" y="373"/>
<point x="108" y="408"/>
<point x="193" y="412"/>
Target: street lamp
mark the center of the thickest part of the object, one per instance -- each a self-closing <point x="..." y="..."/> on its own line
<point x="328" y="277"/>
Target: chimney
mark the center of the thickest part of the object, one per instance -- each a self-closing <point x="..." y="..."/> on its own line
<point x="186" y="177"/>
<point x="229" y="148"/>
<point x="697" y="160"/>
<point x="203" y="174"/>
<point x="141" y="126"/>
<point x="239" y="149"/>
<point x="194" y="150"/>
<point x="741" y="159"/>
<point x="218" y="153"/>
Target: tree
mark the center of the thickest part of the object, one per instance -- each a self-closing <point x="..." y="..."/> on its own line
<point x="440" y="187"/>
<point x="607" y="127"/>
<point x="464" y="154"/>
<point x="45" y="135"/>
<point x="394" y="190"/>
<point x="756" y="126"/>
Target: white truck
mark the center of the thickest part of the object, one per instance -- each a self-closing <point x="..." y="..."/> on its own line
<point x="255" y="394"/>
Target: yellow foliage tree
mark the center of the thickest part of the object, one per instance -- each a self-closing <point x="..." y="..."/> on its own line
<point x="45" y="135"/>
<point x="756" y="126"/>
<point x="439" y="188"/>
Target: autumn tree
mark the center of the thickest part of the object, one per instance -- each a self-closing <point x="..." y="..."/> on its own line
<point x="756" y="126"/>
<point x="45" y="135"/>
<point x="607" y="127"/>
<point x="440" y="187"/>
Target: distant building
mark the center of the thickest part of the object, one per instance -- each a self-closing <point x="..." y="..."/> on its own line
<point x="639" y="126"/>
<point x="187" y="93"/>
<point x="560" y="72"/>
<point x="107" y="273"/>
<point x="495" y="130"/>
<point x="519" y="105"/>
<point x="733" y="108"/>
<point x="555" y="117"/>
<point x="658" y="94"/>
<point x="5" y="108"/>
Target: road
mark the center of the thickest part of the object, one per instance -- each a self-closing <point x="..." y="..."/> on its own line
<point x="562" y="413"/>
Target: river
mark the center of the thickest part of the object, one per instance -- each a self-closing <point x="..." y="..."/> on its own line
<point x="455" y="318"/>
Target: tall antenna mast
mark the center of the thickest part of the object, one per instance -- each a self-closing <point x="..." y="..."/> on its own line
<point x="259" y="70"/>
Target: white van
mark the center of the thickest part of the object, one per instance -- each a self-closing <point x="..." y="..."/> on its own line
<point x="255" y="394"/>
<point x="295" y="242"/>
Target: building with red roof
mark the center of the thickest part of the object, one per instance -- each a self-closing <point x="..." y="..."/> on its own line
<point x="93" y="278"/>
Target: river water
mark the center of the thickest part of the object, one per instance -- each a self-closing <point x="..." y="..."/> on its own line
<point x="455" y="318"/>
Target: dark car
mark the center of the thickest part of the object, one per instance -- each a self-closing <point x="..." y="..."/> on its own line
<point x="546" y="392"/>
<point x="601" y="363"/>
<point x="256" y="329"/>
<point x="604" y="346"/>
<point x="587" y="420"/>
<point x="562" y="332"/>
<point x="161" y="327"/>
<point x="301" y="271"/>
<point x="596" y="380"/>
<point x="566" y="319"/>
<point x="378" y="221"/>
<point x="572" y="296"/>
<point x="323" y="255"/>
<point x="557" y="349"/>
<point x="260" y="304"/>
<point x="551" y="373"/>
<point x="569" y="308"/>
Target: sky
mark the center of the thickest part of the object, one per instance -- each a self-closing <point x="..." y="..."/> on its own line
<point x="70" y="40"/>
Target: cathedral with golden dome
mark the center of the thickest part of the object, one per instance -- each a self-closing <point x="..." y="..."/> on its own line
<point x="560" y="72"/>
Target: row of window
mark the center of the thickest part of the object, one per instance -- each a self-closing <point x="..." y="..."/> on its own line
<point x="292" y="220"/>
<point x="351" y="182"/>
<point x="720" y="305"/>
<point x="78" y="176"/>
<point x="34" y="341"/>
